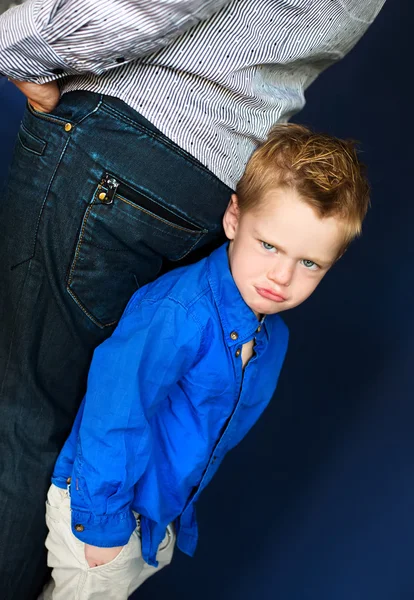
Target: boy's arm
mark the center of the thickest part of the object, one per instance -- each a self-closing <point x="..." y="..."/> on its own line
<point x="153" y="346"/>
<point x="42" y="40"/>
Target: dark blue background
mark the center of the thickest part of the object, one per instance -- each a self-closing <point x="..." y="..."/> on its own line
<point x="318" y="502"/>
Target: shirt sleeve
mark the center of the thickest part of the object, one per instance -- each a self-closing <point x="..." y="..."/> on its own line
<point x="42" y="40"/>
<point x="131" y="373"/>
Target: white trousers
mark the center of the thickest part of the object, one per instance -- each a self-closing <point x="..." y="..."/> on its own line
<point x="73" y="579"/>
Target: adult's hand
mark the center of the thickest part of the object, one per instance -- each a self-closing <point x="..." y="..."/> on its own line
<point x="43" y="97"/>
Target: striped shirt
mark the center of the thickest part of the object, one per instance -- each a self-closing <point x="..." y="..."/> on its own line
<point x="213" y="76"/>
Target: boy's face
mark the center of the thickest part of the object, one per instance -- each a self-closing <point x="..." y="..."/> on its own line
<point x="280" y="250"/>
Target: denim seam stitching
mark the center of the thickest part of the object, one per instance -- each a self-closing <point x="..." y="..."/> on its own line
<point x="43" y="206"/>
<point x="169" y="223"/>
<point x="51" y="179"/>
<point x="59" y="120"/>
<point x="97" y="107"/>
<point x="72" y="270"/>
<point x="153" y="228"/>
<point x="191" y="248"/>
<point x="32" y="150"/>
<point x="79" y="244"/>
<point x="47" y="117"/>
<point x="48" y="190"/>
<point x="34" y="137"/>
<point x="38" y="139"/>
<point x="156" y="199"/>
<point x="47" y="194"/>
<point x="87" y="312"/>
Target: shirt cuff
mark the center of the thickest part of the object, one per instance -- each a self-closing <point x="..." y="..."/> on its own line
<point x="105" y="531"/>
<point x="24" y="54"/>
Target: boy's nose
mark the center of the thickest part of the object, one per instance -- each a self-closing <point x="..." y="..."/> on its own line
<point x="281" y="275"/>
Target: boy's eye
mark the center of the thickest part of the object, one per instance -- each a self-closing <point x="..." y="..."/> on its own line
<point x="309" y="264"/>
<point x="268" y="247"/>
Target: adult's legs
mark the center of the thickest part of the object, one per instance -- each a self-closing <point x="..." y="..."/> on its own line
<point x="98" y="202"/>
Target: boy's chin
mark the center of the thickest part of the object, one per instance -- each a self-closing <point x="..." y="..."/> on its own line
<point x="262" y="309"/>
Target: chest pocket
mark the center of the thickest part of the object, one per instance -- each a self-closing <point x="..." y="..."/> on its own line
<point x="125" y="236"/>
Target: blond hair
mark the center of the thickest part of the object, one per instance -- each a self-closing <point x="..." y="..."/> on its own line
<point x="324" y="170"/>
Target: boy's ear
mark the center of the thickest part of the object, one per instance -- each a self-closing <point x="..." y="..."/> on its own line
<point x="231" y="217"/>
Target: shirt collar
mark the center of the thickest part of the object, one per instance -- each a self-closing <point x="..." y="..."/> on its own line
<point x="239" y="322"/>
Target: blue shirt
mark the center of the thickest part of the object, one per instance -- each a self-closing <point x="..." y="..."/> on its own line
<point x="166" y="399"/>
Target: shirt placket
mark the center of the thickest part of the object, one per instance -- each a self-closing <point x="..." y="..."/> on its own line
<point x="242" y="379"/>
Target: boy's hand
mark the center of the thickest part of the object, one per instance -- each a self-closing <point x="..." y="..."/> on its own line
<point x="96" y="556"/>
<point x="43" y="97"/>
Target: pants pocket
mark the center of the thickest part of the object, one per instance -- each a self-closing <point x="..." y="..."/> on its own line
<point x="57" y="500"/>
<point x="119" y="578"/>
<point x="116" y="580"/>
<point x="117" y="561"/>
<point x="126" y="234"/>
<point x="31" y="142"/>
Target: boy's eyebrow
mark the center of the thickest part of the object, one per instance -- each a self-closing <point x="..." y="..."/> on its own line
<point x="321" y="263"/>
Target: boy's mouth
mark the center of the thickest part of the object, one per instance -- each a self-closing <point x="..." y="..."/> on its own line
<point x="270" y="294"/>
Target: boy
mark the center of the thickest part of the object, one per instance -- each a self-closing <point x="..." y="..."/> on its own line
<point x="191" y="366"/>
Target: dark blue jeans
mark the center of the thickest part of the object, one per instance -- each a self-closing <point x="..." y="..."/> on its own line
<point x="98" y="203"/>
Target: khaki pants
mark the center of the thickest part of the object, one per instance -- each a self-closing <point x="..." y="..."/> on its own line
<point x="73" y="579"/>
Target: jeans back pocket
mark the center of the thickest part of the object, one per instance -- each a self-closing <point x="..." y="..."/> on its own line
<point x="30" y="141"/>
<point x="126" y="234"/>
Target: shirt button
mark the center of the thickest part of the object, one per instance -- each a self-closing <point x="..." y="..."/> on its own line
<point x="238" y="352"/>
<point x="258" y="329"/>
<point x="234" y="335"/>
<point x="68" y="480"/>
<point x="79" y="527"/>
